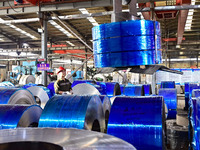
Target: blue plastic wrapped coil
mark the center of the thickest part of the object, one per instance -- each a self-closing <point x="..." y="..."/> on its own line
<point x="112" y="89"/>
<point x="139" y="121"/>
<point x="168" y="84"/>
<point x="134" y="90"/>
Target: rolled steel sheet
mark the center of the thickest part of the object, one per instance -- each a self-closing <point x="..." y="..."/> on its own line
<point x="126" y="28"/>
<point x="147" y="89"/>
<point x="26" y="79"/>
<point x="177" y="136"/>
<point x="51" y="88"/>
<point x="139" y="121"/>
<point x="13" y="116"/>
<point x="112" y="89"/>
<point x="168" y="84"/>
<point x="7" y="84"/>
<point x="82" y="112"/>
<point x="85" y="89"/>
<point x="170" y="98"/>
<point x="134" y="90"/>
<point x="81" y="81"/>
<point x="106" y="108"/>
<point x="16" y="96"/>
<point x="124" y="59"/>
<point x="59" y="139"/>
<point x="41" y="94"/>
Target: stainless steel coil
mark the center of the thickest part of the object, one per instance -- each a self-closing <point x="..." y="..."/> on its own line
<point x="40" y="95"/>
<point x="26" y="79"/>
<point x="16" y="96"/>
<point x="85" y="89"/>
<point x="13" y="116"/>
<point x="82" y="112"/>
<point x="59" y="139"/>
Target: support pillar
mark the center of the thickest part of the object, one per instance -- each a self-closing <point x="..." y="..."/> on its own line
<point x="44" y="46"/>
<point x="154" y="83"/>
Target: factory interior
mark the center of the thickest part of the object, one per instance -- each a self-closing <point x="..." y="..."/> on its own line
<point x="99" y="75"/>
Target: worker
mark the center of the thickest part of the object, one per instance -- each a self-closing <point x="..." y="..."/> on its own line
<point x="62" y="85"/>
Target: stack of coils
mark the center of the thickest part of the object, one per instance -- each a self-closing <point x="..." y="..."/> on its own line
<point x="68" y="111"/>
<point x="16" y="96"/>
<point x="139" y="121"/>
<point x="128" y="43"/>
<point x="168" y="84"/>
<point x="59" y="139"/>
<point x="13" y="116"/>
<point x="170" y="98"/>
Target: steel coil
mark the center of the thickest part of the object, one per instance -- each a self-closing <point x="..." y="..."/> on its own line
<point x="51" y="88"/>
<point x="85" y="89"/>
<point x="126" y="28"/>
<point x="81" y="81"/>
<point x="26" y="79"/>
<point x="139" y="121"/>
<point x="106" y="108"/>
<point x="82" y="112"/>
<point x="177" y="136"/>
<point x="7" y="84"/>
<point x="41" y="94"/>
<point x="134" y="90"/>
<point x="59" y="139"/>
<point x="124" y="59"/>
<point x="112" y="89"/>
<point x="168" y="84"/>
<point x="16" y="96"/>
<point x="13" y="116"/>
<point x="147" y="89"/>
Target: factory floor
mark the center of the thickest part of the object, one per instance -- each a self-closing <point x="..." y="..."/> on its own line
<point x="177" y="132"/>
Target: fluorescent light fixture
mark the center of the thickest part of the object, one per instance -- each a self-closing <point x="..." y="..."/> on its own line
<point x="58" y="61"/>
<point x="185" y="59"/>
<point x="19" y="30"/>
<point x="70" y="43"/>
<point x="60" y="28"/>
<point x="189" y="18"/>
<point x="91" y="19"/>
<point x="14" y="54"/>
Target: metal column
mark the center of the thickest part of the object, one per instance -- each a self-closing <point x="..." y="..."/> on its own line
<point x="44" y="46"/>
<point x="154" y="83"/>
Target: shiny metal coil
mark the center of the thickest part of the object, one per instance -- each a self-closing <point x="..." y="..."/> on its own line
<point x="168" y="84"/>
<point x="125" y="28"/>
<point x="106" y="108"/>
<point x="13" y="116"/>
<point x="26" y="79"/>
<point x="123" y="59"/>
<point x="59" y="139"/>
<point x="41" y="94"/>
<point x="7" y="84"/>
<point x="85" y="89"/>
<point x="147" y="89"/>
<point x="177" y="136"/>
<point x="112" y="89"/>
<point x="134" y="90"/>
<point x="81" y="81"/>
<point x="51" y="88"/>
<point x="16" y="96"/>
<point x="170" y="98"/>
<point x="128" y="43"/>
<point x="139" y="121"/>
<point x="82" y="112"/>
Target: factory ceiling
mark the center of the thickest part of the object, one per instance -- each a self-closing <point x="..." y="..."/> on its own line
<point x="21" y="32"/>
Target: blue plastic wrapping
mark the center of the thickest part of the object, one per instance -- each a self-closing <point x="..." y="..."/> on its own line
<point x="123" y="59"/>
<point x="28" y="85"/>
<point x="11" y="114"/>
<point x="69" y="111"/>
<point x="112" y="89"/>
<point x="168" y="84"/>
<point x="122" y="44"/>
<point x="51" y="88"/>
<point x="196" y="93"/>
<point x="186" y="95"/>
<point x="147" y="89"/>
<point x="139" y="121"/>
<point x="103" y="87"/>
<point x="134" y="90"/>
<point x="125" y="28"/>
<point x="170" y="98"/>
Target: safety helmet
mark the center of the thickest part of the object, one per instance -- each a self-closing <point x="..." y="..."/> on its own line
<point x="60" y="69"/>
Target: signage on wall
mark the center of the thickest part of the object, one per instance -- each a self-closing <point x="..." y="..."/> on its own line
<point x="43" y="67"/>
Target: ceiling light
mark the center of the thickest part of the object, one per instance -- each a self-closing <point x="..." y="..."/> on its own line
<point x="60" y="28"/>
<point x="70" y="43"/>
<point x="91" y="19"/>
